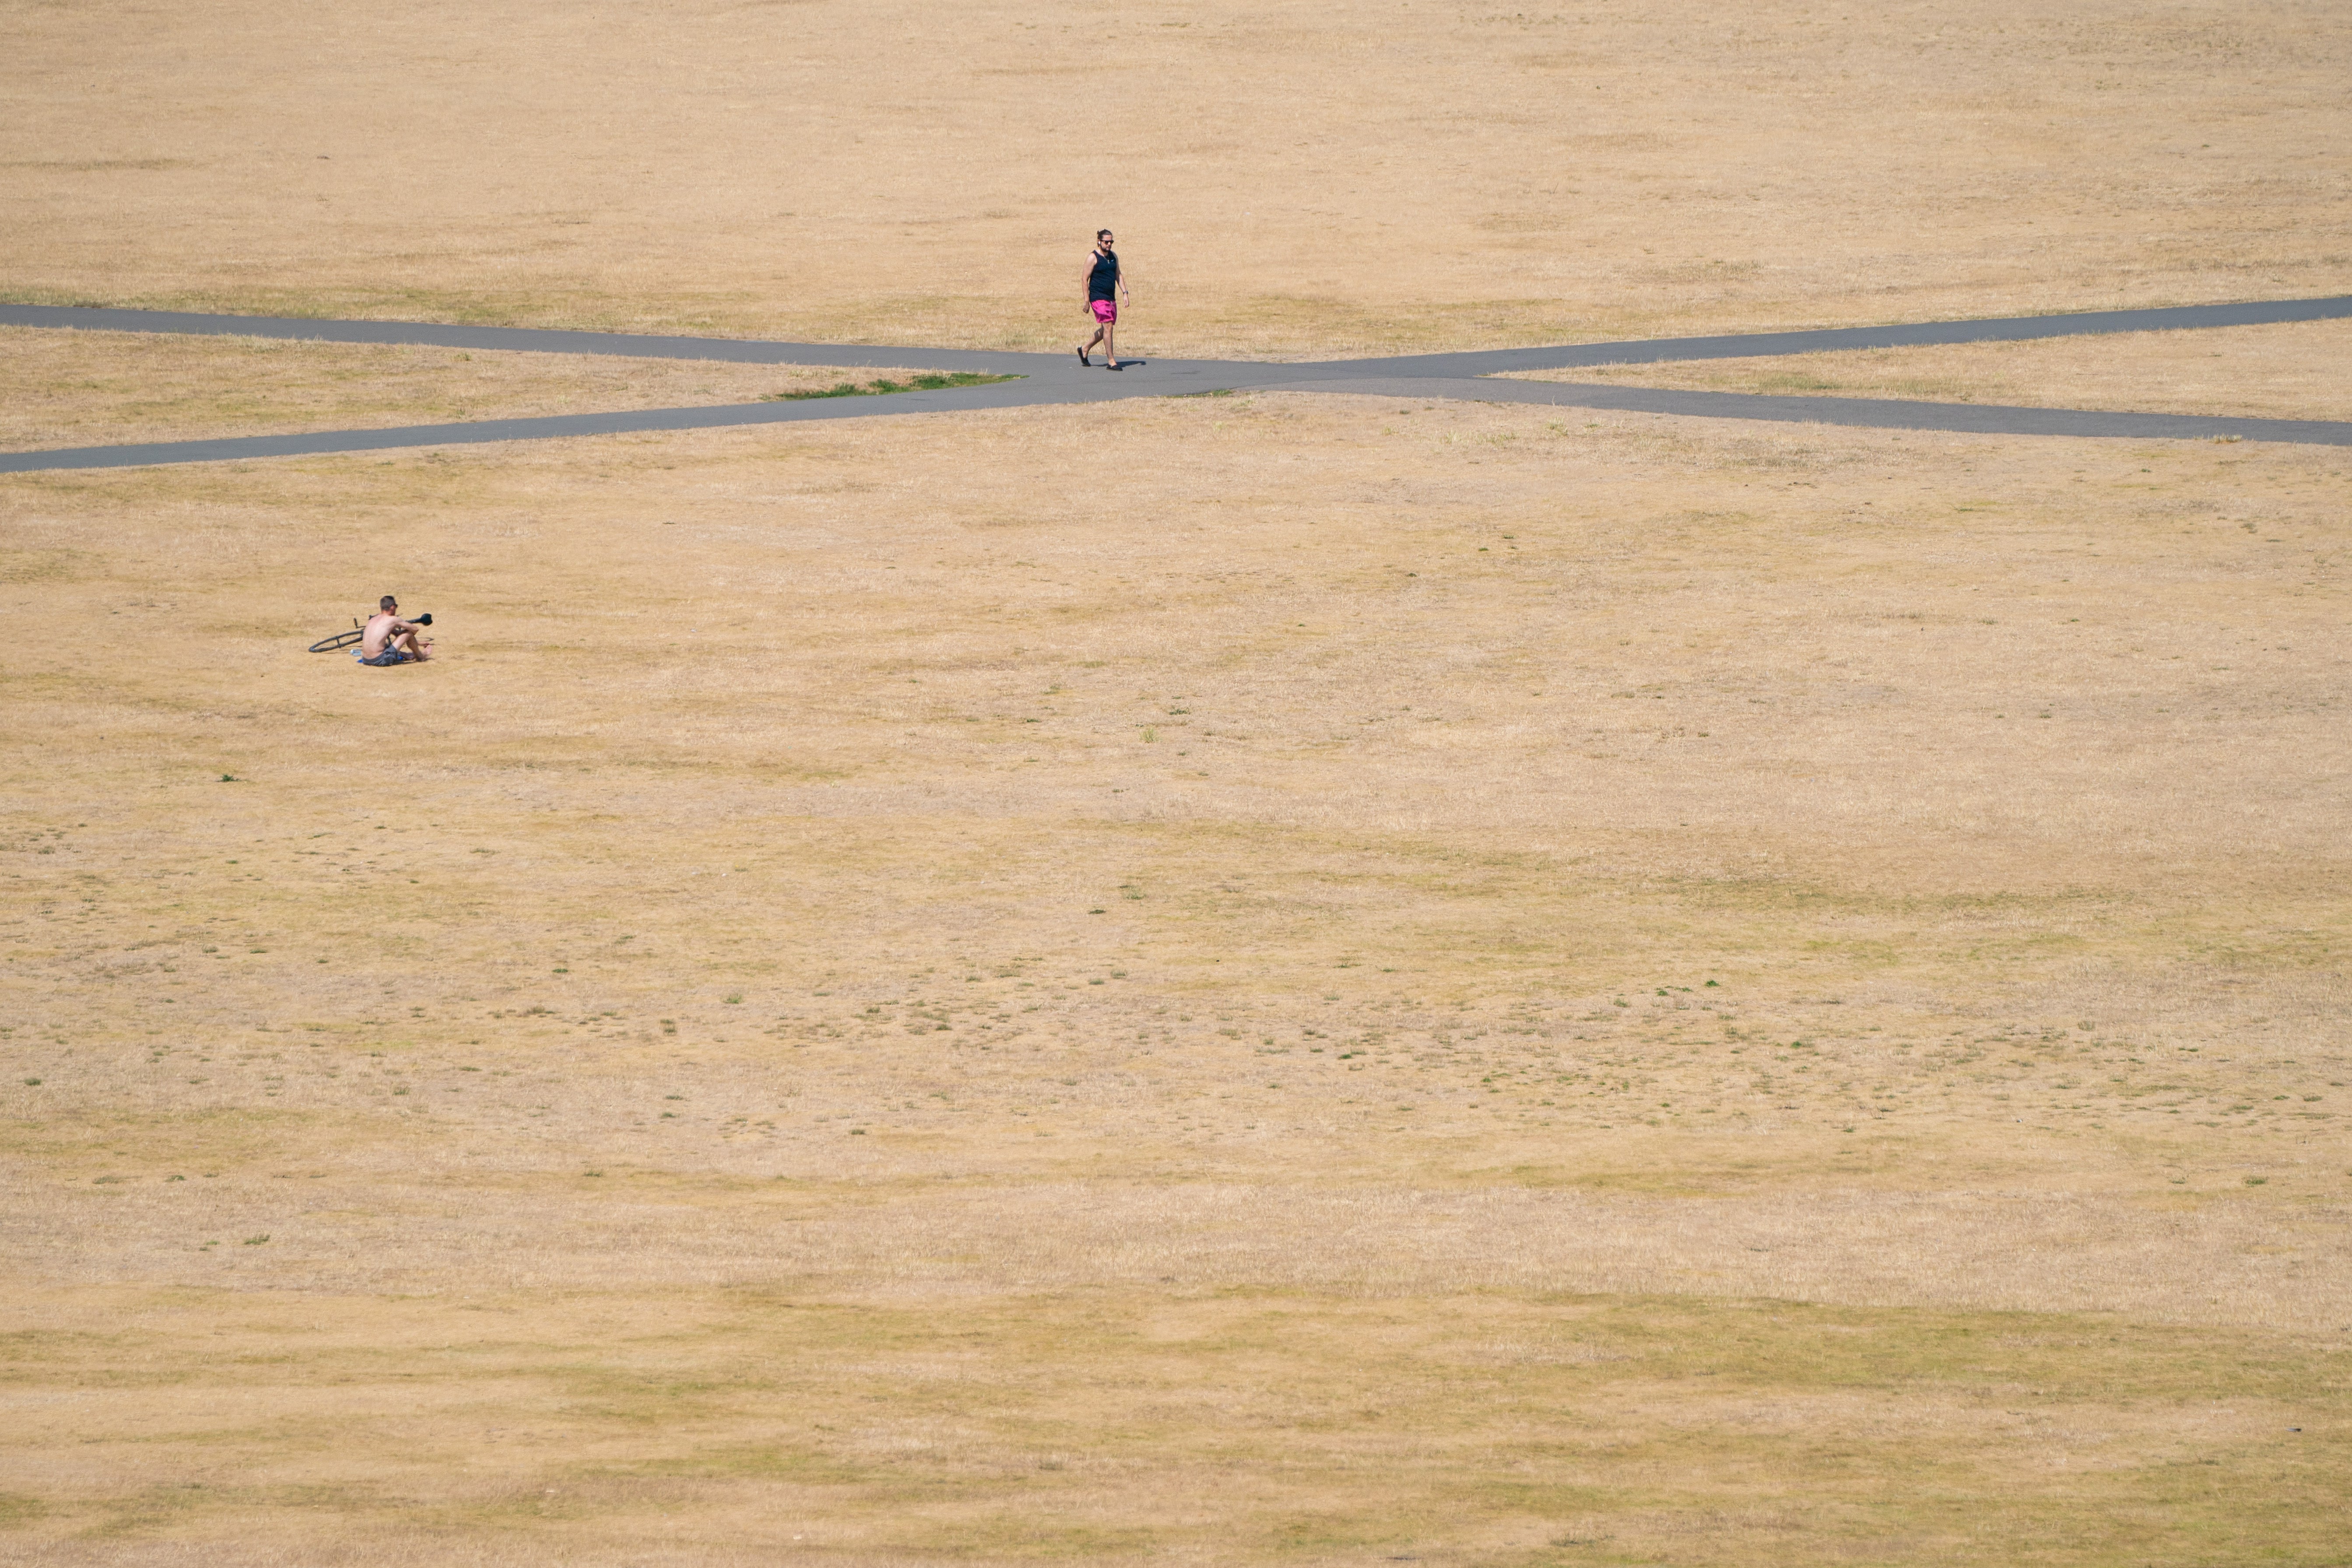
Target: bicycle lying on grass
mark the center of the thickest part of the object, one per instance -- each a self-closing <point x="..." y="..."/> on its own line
<point x="358" y="630"/>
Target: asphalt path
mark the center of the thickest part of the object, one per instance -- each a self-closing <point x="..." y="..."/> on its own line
<point x="1830" y="339"/>
<point x="1058" y="378"/>
<point x="1490" y="362"/>
<point x="230" y="448"/>
<point x="530" y="340"/>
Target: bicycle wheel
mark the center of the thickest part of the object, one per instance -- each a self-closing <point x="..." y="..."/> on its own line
<point x="341" y="639"/>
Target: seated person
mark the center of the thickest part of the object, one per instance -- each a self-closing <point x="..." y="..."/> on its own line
<point x="390" y="640"/>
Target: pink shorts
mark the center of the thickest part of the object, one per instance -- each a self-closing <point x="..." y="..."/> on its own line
<point x="1104" y="310"/>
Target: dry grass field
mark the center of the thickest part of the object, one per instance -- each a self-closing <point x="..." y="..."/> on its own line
<point x="1091" y="984"/>
<point x="1287" y="179"/>
<point x="1797" y="996"/>
<point x="103" y="388"/>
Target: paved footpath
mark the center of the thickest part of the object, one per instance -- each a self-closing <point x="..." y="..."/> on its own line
<point x="1059" y="379"/>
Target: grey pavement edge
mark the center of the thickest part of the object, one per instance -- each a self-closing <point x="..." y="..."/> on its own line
<point x="1970" y="418"/>
<point x="231" y="448"/>
<point x="529" y="340"/>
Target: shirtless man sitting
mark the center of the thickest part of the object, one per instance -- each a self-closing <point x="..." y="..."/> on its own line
<point x="390" y="640"/>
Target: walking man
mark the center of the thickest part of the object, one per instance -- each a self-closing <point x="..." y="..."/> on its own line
<point x="1105" y="286"/>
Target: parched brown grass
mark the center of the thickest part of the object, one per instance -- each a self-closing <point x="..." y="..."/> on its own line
<point x="1287" y="179"/>
<point x="1257" y="980"/>
<point x="72" y="388"/>
<point x="1503" y="937"/>
<point x="2292" y="371"/>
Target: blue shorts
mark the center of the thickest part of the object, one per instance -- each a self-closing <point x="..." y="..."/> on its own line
<point x="390" y="655"/>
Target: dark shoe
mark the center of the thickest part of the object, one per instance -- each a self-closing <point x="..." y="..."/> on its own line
<point x="1114" y="365"/>
<point x="1085" y="361"/>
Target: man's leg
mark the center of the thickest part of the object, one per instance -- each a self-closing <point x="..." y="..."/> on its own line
<point x="1110" y="342"/>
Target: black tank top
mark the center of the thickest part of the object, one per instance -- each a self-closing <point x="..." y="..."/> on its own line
<point x="1103" y="282"/>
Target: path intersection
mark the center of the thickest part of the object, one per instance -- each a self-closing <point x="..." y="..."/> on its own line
<point x="1058" y="378"/>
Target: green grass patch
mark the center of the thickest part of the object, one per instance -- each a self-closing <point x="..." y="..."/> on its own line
<point x="883" y="386"/>
<point x="1633" y="1429"/>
